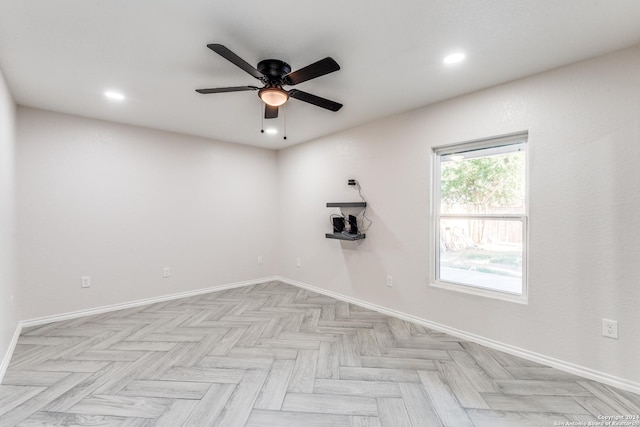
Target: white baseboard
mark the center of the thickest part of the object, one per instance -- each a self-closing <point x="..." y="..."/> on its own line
<point x="7" y="356"/>
<point x="114" y="307"/>
<point x="562" y="365"/>
<point x="146" y="301"/>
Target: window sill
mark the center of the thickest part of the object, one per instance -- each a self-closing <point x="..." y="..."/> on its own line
<point x="465" y="289"/>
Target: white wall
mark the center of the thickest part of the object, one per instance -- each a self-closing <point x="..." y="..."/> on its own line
<point x="119" y="203"/>
<point x="584" y="147"/>
<point x="9" y="293"/>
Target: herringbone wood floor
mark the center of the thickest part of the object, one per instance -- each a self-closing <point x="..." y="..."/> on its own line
<point x="276" y="355"/>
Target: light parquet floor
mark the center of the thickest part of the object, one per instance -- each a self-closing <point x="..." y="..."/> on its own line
<point x="276" y="355"/>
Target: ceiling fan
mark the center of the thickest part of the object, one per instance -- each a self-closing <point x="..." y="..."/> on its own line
<point x="274" y="74"/>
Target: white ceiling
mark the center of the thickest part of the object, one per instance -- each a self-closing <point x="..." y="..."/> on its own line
<point x="62" y="55"/>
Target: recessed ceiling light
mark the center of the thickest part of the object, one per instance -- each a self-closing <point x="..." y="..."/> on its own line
<point x="271" y="131"/>
<point x="454" y="58"/>
<point x="116" y="96"/>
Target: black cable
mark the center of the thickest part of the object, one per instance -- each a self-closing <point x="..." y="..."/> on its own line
<point x="364" y="211"/>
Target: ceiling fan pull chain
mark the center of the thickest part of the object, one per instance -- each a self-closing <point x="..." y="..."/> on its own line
<point x="263" y="107"/>
<point x="285" y="122"/>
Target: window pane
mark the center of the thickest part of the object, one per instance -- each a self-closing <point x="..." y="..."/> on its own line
<point x="482" y="253"/>
<point x="484" y="181"/>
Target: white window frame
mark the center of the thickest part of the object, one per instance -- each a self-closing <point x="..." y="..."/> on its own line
<point x="439" y="151"/>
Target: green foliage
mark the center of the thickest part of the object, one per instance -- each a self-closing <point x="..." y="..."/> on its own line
<point x="482" y="182"/>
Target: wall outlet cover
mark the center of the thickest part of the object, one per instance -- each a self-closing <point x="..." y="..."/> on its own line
<point x="86" y="282"/>
<point x="610" y="328"/>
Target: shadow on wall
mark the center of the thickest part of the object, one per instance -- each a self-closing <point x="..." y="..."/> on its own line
<point x="364" y="258"/>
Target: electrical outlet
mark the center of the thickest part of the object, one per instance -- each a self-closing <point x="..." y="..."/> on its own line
<point x="166" y="272"/>
<point x="260" y="259"/>
<point x="389" y="280"/>
<point x="86" y="281"/>
<point x="610" y="328"/>
<point x="298" y="263"/>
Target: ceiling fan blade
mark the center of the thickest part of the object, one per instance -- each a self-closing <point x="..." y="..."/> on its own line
<point x="270" y="112"/>
<point x="315" y="100"/>
<point x="235" y="59"/>
<point x="226" y="89"/>
<point x="317" y="69"/>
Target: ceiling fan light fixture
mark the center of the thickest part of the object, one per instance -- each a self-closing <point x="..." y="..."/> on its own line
<point x="273" y="96"/>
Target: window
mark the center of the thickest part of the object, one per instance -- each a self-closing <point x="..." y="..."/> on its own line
<point x="480" y="217"/>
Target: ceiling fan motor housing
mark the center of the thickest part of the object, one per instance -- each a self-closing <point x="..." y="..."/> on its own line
<point x="274" y="70"/>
